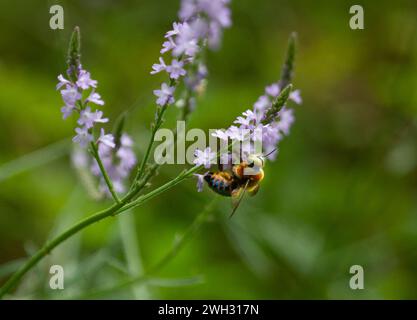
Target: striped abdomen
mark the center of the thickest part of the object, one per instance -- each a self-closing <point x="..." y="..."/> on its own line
<point x="221" y="182"/>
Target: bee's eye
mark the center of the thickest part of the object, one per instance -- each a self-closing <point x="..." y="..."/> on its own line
<point x="250" y="165"/>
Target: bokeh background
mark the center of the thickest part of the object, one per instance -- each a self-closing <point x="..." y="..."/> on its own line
<point x="342" y="191"/>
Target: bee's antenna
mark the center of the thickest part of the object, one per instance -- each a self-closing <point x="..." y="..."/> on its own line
<point x="270" y="152"/>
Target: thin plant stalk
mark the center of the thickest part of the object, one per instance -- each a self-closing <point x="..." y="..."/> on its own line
<point x="113" y="210"/>
<point x="155" y="127"/>
<point x="179" y="243"/>
<point x="132" y="254"/>
<point x="94" y="151"/>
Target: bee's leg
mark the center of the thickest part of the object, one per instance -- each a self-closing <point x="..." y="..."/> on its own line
<point x="253" y="190"/>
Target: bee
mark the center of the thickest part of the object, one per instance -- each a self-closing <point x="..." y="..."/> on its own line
<point x="244" y="177"/>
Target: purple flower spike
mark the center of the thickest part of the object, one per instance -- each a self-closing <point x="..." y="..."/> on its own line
<point x="72" y="94"/>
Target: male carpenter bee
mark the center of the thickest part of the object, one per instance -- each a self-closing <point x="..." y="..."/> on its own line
<point x="242" y="178"/>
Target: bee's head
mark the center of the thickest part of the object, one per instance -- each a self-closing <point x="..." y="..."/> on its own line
<point x="256" y="161"/>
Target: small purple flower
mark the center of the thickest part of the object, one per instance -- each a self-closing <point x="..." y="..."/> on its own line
<point x="221" y="134"/>
<point x="70" y="95"/>
<point x="188" y="9"/>
<point x="84" y="80"/>
<point x="88" y="118"/>
<point x="258" y="132"/>
<point x="66" y="111"/>
<point x="79" y="158"/>
<point x="202" y="71"/>
<point x="94" y="97"/>
<point x="106" y="139"/>
<point x="176" y="29"/>
<point x="62" y="82"/>
<point x="215" y="36"/>
<point x="273" y="90"/>
<point x="126" y="140"/>
<point x="286" y="120"/>
<point x="118" y="186"/>
<point x="200" y="28"/>
<point x="208" y="19"/>
<point x="239" y="134"/>
<point x="165" y="95"/>
<point x="186" y="42"/>
<point x="271" y="135"/>
<point x="204" y="158"/>
<point x="176" y="69"/>
<point x="200" y="181"/>
<point x="262" y="103"/>
<point x="83" y="137"/>
<point x="248" y="120"/>
<point x="296" y="97"/>
<point x="127" y="158"/>
<point x="118" y="163"/>
<point x="167" y="46"/>
<point x="217" y="11"/>
<point x="183" y="45"/>
<point x="125" y="153"/>
<point x="158" y="67"/>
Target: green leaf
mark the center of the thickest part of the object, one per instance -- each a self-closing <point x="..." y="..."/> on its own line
<point x="34" y="159"/>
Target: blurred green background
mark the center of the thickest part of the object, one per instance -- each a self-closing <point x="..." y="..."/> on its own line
<point x="342" y="192"/>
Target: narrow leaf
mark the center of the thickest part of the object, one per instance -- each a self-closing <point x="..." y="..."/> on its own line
<point x="34" y="159"/>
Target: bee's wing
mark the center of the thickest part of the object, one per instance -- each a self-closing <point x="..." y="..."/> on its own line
<point x="237" y="196"/>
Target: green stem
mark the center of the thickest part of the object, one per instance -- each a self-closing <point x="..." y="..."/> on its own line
<point x="125" y="204"/>
<point x="198" y="221"/>
<point x="47" y="248"/>
<point x="156" y="126"/>
<point x="182" y="176"/>
<point x="132" y="254"/>
<point x="142" y="167"/>
<point x="104" y="172"/>
<point x="115" y="209"/>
